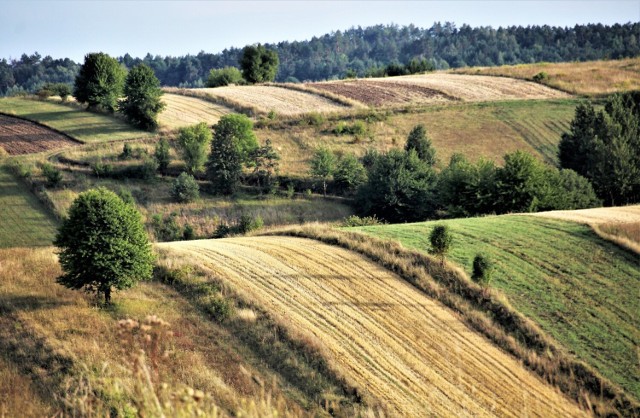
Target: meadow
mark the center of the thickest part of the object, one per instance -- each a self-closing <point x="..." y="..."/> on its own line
<point x="590" y="78"/>
<point x="562" y="275"/>
<point x="25" y="221"/>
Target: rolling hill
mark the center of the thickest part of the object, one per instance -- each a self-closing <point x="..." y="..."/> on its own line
<point x="562" y="275"/>
<point x="398" y="346"/>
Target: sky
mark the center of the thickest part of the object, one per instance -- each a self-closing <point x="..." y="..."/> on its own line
<point x="74" y="28"/>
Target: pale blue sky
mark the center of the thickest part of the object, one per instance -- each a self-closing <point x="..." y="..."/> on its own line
<point x="74" y="28"/>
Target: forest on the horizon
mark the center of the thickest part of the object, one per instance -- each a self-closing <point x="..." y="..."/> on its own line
<point x="361" y="51"/>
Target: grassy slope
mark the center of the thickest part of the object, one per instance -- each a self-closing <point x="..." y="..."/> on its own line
<point x="589" y="78"/>
<point x="25" y="222"/>
<point x="580" y="288"/>
<point x="477" y="130"/>
<point x="79" y="124"/>
<point x="53" y="336"/>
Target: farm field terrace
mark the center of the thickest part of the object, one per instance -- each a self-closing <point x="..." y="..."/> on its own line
<point x="590" y="78"/>
<point x="78" y="123"/>
<point x="24" y="220"/>
<point x="184" y="111"/>
<point x="581" y="289"/>
<point x="397" y="345"/>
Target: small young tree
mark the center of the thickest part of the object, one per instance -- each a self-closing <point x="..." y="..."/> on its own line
<point x="193" y="142"/>
<point x="52" y="174"/>
<point x="100" y="81"/>
<point x="418" y="141"/>
<point x="259" y="64"/>
<point x="141" y="103"/>
<point x="185" y="188"/>
<point x="162" y="155"/>
<point x="265" y="162"/>
<point x="441" y="240"/>
<point x="103" y="244"/>
<point x="482" y="269"/>
<point x="322" y="166"/>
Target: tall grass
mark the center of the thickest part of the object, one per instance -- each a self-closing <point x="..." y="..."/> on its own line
<point x="488" y="312"/>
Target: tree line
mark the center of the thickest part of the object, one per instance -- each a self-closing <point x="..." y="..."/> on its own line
<point x="364" y="51"/>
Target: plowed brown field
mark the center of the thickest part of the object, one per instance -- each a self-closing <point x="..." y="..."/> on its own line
<point x="18" y="136"/>
<point x="621" y="214"/>
<point x="438" y="88"/>
<point x="281" y="100"/>
<point x="399" y="346"/>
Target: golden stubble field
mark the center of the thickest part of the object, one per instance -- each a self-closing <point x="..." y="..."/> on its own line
<point x="398" y="346"/>
<point x="619" y="214"/>
<point x="184" y="111"/>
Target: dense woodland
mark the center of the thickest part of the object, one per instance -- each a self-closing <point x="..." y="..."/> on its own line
<point x="363" y="51"/>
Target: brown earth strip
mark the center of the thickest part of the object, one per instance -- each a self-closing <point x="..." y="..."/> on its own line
<point x="19" y="136"/>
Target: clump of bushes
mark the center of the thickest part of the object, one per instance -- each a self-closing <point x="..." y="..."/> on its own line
<point x="52" y="175"/>
<point x="166" y="228"/>
<point x="540" y="77"/>
<point x="219" y="77"/>
<point x="244" y="224"/>
<point x="355" y="220"/>
<point x="185" y="188"/>
<point x="357" y="128"/>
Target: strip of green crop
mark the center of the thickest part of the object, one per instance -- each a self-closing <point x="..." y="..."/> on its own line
<point x="581" y="289"/>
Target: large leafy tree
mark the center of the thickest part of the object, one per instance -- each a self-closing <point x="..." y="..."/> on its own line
<point x="103" y="244"/>
<point x="231" y="148"/>
<point x="259" y="64"/>
<point x="193" y="142"/>
<point x="100" y="81"/>
<point x="141" y="103"/>
<point x="323" y="164"/>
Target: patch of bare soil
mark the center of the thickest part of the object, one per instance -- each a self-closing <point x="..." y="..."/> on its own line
<point x="18" y="136"/>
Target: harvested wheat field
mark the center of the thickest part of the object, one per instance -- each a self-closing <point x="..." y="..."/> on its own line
<point x="595" y="216"/>
<point x="282" y="101"/>
<point x="438" y="88"/>
<point x="589" y="78"/>
<point x="398" y="346"/>
<point x="18" y="136"/>
<point x="183" y="111"/>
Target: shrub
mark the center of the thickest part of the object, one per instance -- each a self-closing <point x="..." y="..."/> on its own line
<point x="126" y="196"/>
<point x="166" y="228"/>
<point x="102" y="169"/>
<point x="188" y="233"/>
<point x="147" y="170"/>
<point x="440" y="239"/>
<point x="223" y="230"/>
<point x="291" y="191"/>
<point x="185" y="189"/>
<point x="357" y="128"/>
<point x="219" y="308"/>
<point x="313" y="119"/>
<point x="127" y="152"/>
<point x="248" y="223"/>
<point x="540" y="77"/>
<point x="482" y="269"/>
<point x="219" y="77"/>
<point x="349" y="173"/>
<point x="162" y="155"/>
<point x="355" y="220"/>
<point x="52" y="175"/>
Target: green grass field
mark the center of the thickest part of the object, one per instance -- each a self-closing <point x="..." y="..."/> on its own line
<point x="25" y="222"/>
<point x="79" y="124"/>
<point x="581" y="289"/>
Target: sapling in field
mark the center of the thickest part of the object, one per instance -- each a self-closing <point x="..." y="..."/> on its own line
<point x="440" y="239"/>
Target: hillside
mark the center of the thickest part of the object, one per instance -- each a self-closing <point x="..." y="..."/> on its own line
<point x="394" y="343"/>
<point x="72" y="120"/>
<point x="436" y="88"/>
<point x="183" y="111"/>
<point x="562" y="275"/>
<point x="591" y="78"/>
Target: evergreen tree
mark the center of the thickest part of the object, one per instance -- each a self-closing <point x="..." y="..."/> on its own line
<point x="162" y="155"/>
<point x="418" y="141"/>
<point x="259" y="64"/>
<point x="141" y="103"/>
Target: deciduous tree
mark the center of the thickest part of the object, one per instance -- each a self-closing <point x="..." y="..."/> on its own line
<point x="100" y="82"/>
<point x="141" y="103"/>
<point x="103" y="244"/>
<point x="193" y="142"/>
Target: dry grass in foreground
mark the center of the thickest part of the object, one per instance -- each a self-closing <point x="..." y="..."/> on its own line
<point x="589" y="78"/>
<point x="398" y="346"/>
<point x="80" y="364"/>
